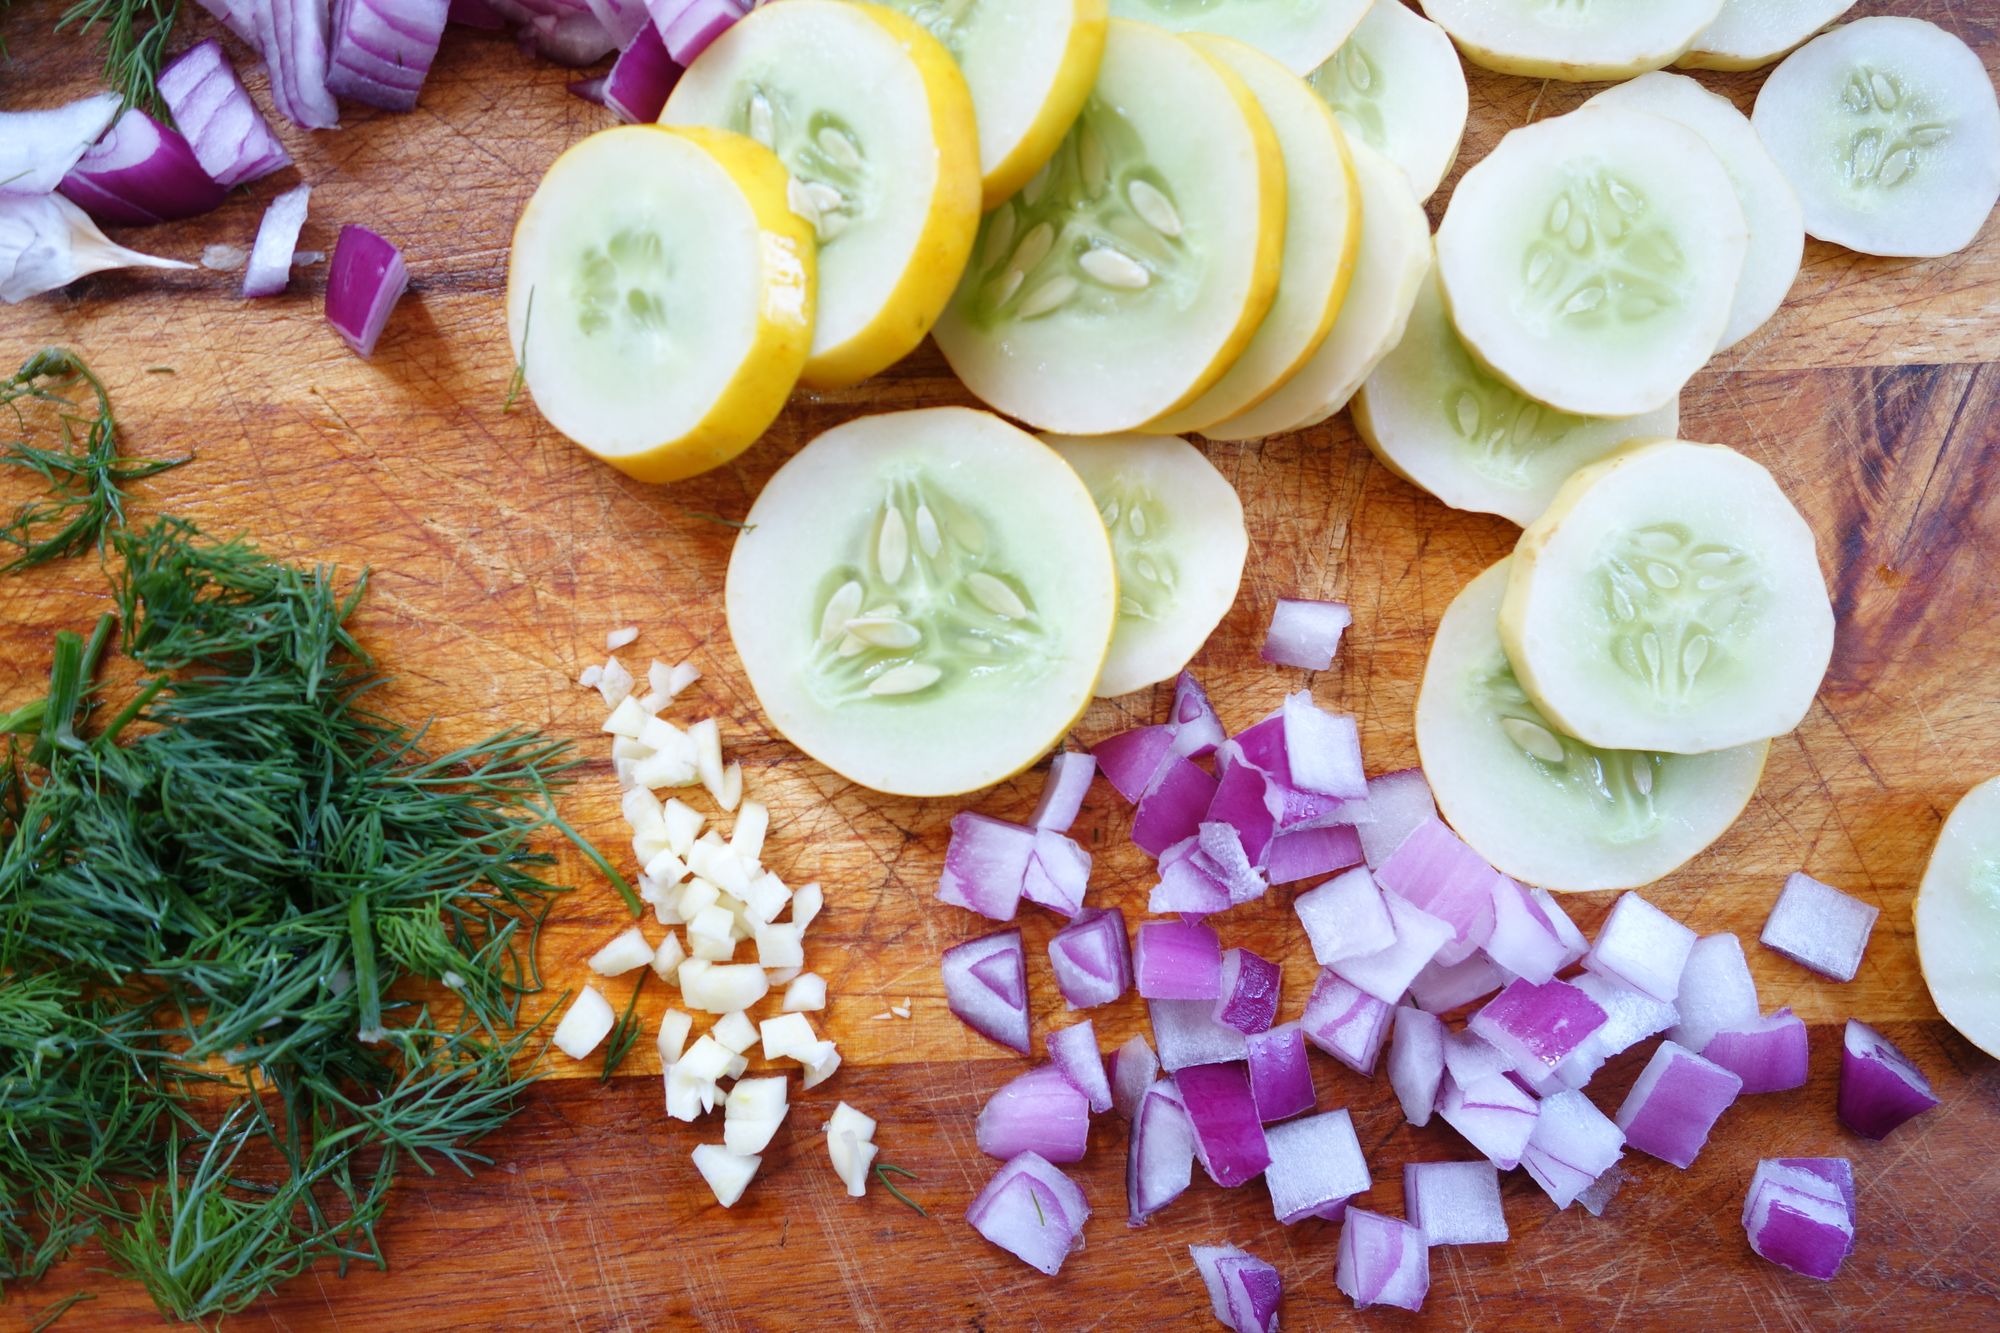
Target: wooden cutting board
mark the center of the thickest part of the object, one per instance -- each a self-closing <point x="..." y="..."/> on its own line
<point x="501" y="556"/>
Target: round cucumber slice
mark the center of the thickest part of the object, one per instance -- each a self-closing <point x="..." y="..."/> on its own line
<point x="1322" y="234"/>
<point x="922" y="600"/>
<point x="1958" y="918"/>
<point x="660" y="297"/>
<point x="1442" y="422"/>
<point x="1544" y="807"/>
<point x="1591" y="260"/>
<point x="1389" y="266"/>
<point x="1177" y="536"/>
<point x="1577" y="40"/>
<point x="1029" y="63"/>
<point x="1300" y="34"/>
<point x="875" y="124"/>
<point x="1770" y="205"/>
<point x="1134" y="268"/>
<point x="1890" y="131"/>
<point x="1397" y="85"/>
<point x="1749" y="34"/>
<point x="1670" y="598"/>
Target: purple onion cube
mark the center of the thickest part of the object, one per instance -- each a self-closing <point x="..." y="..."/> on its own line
<point x="1091" y="958"/>
<point x="1642" y="947"/>
<point x="1040" y="1111"/>
<point x="1221" y="846"/>
<point x="1131" y="759"/>
<point x="1177" y="960"/>
<point x="986" y="985"/>
<point x="1246" y="801"/>
<point x="1383" y="1261"/>
<point x="1173" y="807"/>
<point x="1538" y="1027"/>
<point x="1798" y="1219"/>
<point x="985" y="864"/>
<point x="1058" y="874"/>
<point x="1835" y="1171"/>
<point x="1323" y="749"/>
<point x="1716" y="991"/>
<point x="1243" y="1290"/>
<point x="1316" y="1162"/>
<point x="1436" y="871"/>
<point x="1454" y="1203"/>
<point x="1820" y="927"/>
<point x="1575" y="946"/>
<point x="1345" y="917"/>
<point x="1305" y="634"/>
<point x="1311" y="853"/>
<point x="1880" y="1087"/>
<point x="1387" y="974"/>
<point x="1439" y="989"/>
<point x="1769" y="1055"/>
<point x="1188" y="883"/>
<point x="1062" y="795"/>
<point x="1416" y="1063"/>
<point x="1249" y="998"/>
<point x="1073" y="1050"/>
<point x="1494" y="1115"/>
<point x="1469" y="1057"/>
<point x="1280" y="1075"/>
<point x="1228" y="1137"/>
<point x="1262" y="746"/>
<point x="1159" y="1164"/>
<point x="1187" y="1034"/>
<point x="1398" y="803"/>
<point x="1134" y="1068"/>
<point x="1573" y="1146"/>
<point x="1523" y="941"/>
<point x="1033" y="1211"/>
<point x="1630" y="1018"/>
<point x="1346" y="1022"/>
<point x="1195" y="729"/>
<point x="1677" y="1100"/>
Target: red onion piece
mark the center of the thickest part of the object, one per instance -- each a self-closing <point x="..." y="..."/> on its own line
<point x="1248" y="1000"/>
<point x="1263" y="747"/>
<point x="1345" y="917"/>
<point x="985" y="865"/>
<point x="1439" y="989"/>
<point x="1134" y="1068"/>
<point x="1818" y="926"/>
<point x="1387" y="973"/>
<point x="1033" y="1211"/>
<point x="1574" y="1144"/>
<point x="1228" y="1136"/>
<point x="1399" y="802"/>
<point x="1159" y="1163"/>
<point x="589" y="90"/>
<point x="1316" y="1163"/>
<point x="1642" y="947"/>
<point x="382" y="49"/>
<point x="571" y="39"/>
<point x="236" y="16"/>
<point x="1523" y="940"/>
<point x="1305" y="633"/>
<point x="1281" y="1078"/>
<point x="1434" y="870"/>
<point x="1469" y="1057"/>
<point x="363" y="284"/>
<point x="1493" y="1114"/>
<point x="39" y="148"/>
<point x="1678" y="1098"/>
<point x="1058" y="874"/>
<point x="270" y="264"/>
<point x="1835" y="1171"/>
<point x="1188" y="882"/>
<point x="1246" y="802"/>
<point x="1177" y="960"/>
<point x="986" y="985"/>
<point x="1243" y="1290"/>
<point x="1416" y="1063"/>
<point x="1573" y="942"/>
<point x="1798" y="1218"/>
<point x="1716" y="992"/>
<point x="641" y="77"/>
<point x="1454" y="1203"/>
<point x="292" y="35"/>
<point x="1383" y="1261"/>
<point x="1630" y="1018"/>
<point x="1323" y="749"/>
<point x="1345" y="1022"/>
<point x="139" y="173"/>
<point x="475" y="14"/>
<point x="1173" y="807"/>
<point x="1073" y="1051"/>
<point x="625" y="20"/>
<point x="229" y="135"/>
<point x="1062" y="795"/>
<point x="1222" y="847"/>
<point x="698" y="24"/>
<point x="1041" y="1112"/>
<point x="1091" y="958"/>
<point x="1187" y="1034"/>
<point x="1309" y="853"/>
<point x="1769" y="1055"/>
<point x="1879" y="1086"/>
<point x="1195" y="728"/>
<point x="1130" y="759"/>
<point x="1538" y="1027"/>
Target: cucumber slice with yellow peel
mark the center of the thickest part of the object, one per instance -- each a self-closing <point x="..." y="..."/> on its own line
<point x="660" y="297"/>
<point x="875" y="124"/>
<point x="1322" y="235"/>
<point x="1397" y="85"/>
<point x="1029" y="63"/>
<point x="1770" y="206"/>
<point x="1441" y="421"/>
<point x="1575" y="40"/>
<point x="1958" y="918"/>
<point x="1544" y="807"/>
<point x="1299" y="34"/>
<point x="923" y="600"/>
<point x="1178" y="539"/>
<point x="1394" y="255"/>
<point x="1890" y="131"/>
<point x="1591" y="260"/>
<point x="1670" y="598"/>
<point x="1749" y="34"/>
<point x="1132" y="270"/>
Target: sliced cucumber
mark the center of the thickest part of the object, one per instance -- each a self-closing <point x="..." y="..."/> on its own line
<point x="875" y="123"/>
<point x="1300" y="34"/>
<point x="1178" y="539"/>
<point x="1132" y="270"/>
<point x="1441" y="421"/>
<point x="1749" y="34"/>
<point x="1669" y="599"/>
<point x="1958" y="918"/>
<point x="1546" y="808"/>
<point x="1770" y="205"/>
<point x="1322" y="234"/>
<point x="1591" y="260"/>
<point x="660" y="297"/>
<point x="922" y="600"/>
<point x="1397" y="85"/>
<point x="1579" y="40"/>
<point x="1029" y="63"/>
<point x="1395" y="253"/>
<point x="1890" y="131"/>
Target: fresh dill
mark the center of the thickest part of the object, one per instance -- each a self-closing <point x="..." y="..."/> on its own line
<point x="135" y="43"/>
<point x="623" y="1034"/>
<point x="883" y="1170"/>
<point x="59" y="1309"/>
<point x="519" y="378"/>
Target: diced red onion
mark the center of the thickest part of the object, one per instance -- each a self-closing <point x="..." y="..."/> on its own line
<point x="1248" y="1000"/>
<point x="986" y="985"/>
<point x="229" y="135"/>
<point x="1523" y="941"/>
<point x="1173" y="807"/>
<point x="1245" y="800"/>
<point x="1880" y="1087"/>
<point x="1630" y="1018"/>
<point x="292" y="36"/>
<point x="1642" y="947"/>
<point x="1243" y="1290"/>
<point x="1400" y="803"/>
<point x="1573" y="1145"/>
<point x="1769" y="1055"/>
<point x="590" y="90"/>
<point x="38" y="149"/>
<point x="1387" y="973"/>
<point x="1310" y="853"/>
<point x="1069" y="778"/>
<point x="1538" y="1027"/>
<point x="476" y="14"/>
<point x="1439" y="989"/>
<point x="625" y="20"/>
<point x="1033" y="1211"/>
<point x="1159" y="1161"/>
<point x="1716" y="992"/>
<point x="1416" y="1063"/>
<point x="1131" y="759"/>
<point x="1221" y="845"/>
<point x="1835" y="1171"/>
<point x="1073" y="1051"/>
<point x="1187" y="1034"/>
<point x="1040" y="1112"/>
<point x="1346" y="1022"/>
<point x="1469" y="1057"/>
<point x="1134" y="1068"/>
<point x="572" y="39"/>
<point x="236" y="16"/>
<point x="1280" y="1074"/>
<point x="985" y="865"/>
<point x="1573" y="942"/>
<point x="1058" y="873"/>
<point x="1602" y="1190"/>
<point x="1177" y="960"/>
<point x="270" y="265"/>
<point x="1454" y="1203"/>
<point x="1798" y="1219"/>
<point x="1228" y="1136"/>
<point x="1188" y="882"/>
<point x="1678" y="1098"/>
<point x="1436" y="871"/>
<point x="1383" y="1261"/>
<point x="1091" y="958"/>
<point x="696" y="24"/>
<point x="1820" y="927"/>
<point x="1263" y="747"/>
<point x="382" y="49"/>
<point x="1345" y="918"/>
<point x="1316" y="1164"/>
<point x="1323" y="749"/>
<point x="1305" y="633"/>
<point x="1494" y="1115"/>
<point x="1195" y="728"/>
<point x="363" y="284"/>
<point x="139" y="173"/>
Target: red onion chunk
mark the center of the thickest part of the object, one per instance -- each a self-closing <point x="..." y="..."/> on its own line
<point x="1073" y="1051"/>
<point x="1134" y="1068"/>
<point x="1346" y="1022"/>
<point x="1033" y="1211"/>
<point x="1228" y="1136"/>
<point x="1879" y="1086"/>
<point x="1523" y="940"/>
<point x="1040" y="1112"/>
<point x="575" y="39"/>
<point x="589" y="90"/>
<point x="292" y="35"/>
<point x="1178" y="960"/>
<point x="1316" y="1164"/>
<point x="1677" y="1100"/>
<point x="1091" y="959"/>
<point x="1249" y="998"/>
<point x="363" y="284"/>
<point x="1454" y="1203"/>
<point x="1769" y="1055"/>
<point x="1323" y="749"/>
<point x="1263" y="747"/>
<point x="1383" y="1261"/>
<point x="270" y="264"/>
<point x="985" y="865"/>
<point x="1280" y="1074"/>
<point x="1575" y="946"/>
<point x="1400" y="802"/>
<point x="1189" y="882"/>
<point x="1130" y="759"/>
<point x="1159" y="1161"/>
<point x="1243" y="1290"/>
<point x="699" y="24"/>
<point x="1716" y="992"/>
<point x="1439" y="989"/>
<point x="1494" y="1114"/>
<point x="1222" y="847"/>
<point x="1469" y="1057"/>
<point x="1173" y="807"/>
<point x="1642" y="947"/>
<point x="1835" y="1171"/>
<point x="1058" y="874"/>
<point x="1820" y="927"/>
<point x="1798" y="1219"/>
<point x="39" y="149"/>
<point x="625" y="20"/>
<point x="236" y="16"/>
<point x="1187" y="1034"/>
<point x="382" y="49"/>
<point x="986" y="985"/>
<point x="1434" y="870"/>
<point x="1305" y="633"/>
<point x="1246" y="801"/>
<point x="1538" y="1027"/>
<point x="1195" y="728"/>
<point x="1387" y="974"/>
<point x="1630" y="1018"/>
<point x="1573" y="1145"/>
<point x="1345" y="918"/>
<point x="139" y="173"/>
<point x="1069" y="774"/>
<point x="1416" y="1063"/>
<point x="1310" y="853"/>
<point x="229" y="135"/>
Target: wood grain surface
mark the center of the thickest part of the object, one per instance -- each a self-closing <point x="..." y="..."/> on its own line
<point x="501" y="556"/>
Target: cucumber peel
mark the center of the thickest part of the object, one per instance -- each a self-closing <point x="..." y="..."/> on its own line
<point x="1958" y="918"/>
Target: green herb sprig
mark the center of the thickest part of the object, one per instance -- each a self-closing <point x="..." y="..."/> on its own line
<point x="135" y="43"/>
